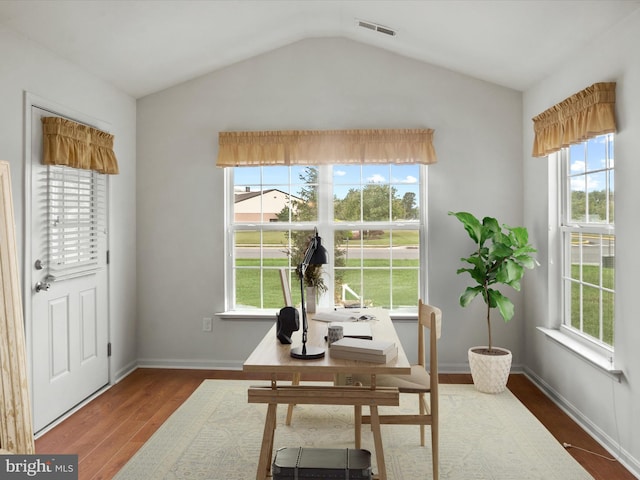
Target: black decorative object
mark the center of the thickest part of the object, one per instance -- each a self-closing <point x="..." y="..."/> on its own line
<point x="316" y="254"/>
<point x="288" y="322"/>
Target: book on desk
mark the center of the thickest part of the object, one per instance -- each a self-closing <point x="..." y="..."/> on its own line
<point x="355" y="329"/>
<point x="375" y="351"/>
<point x="342" y="315"/>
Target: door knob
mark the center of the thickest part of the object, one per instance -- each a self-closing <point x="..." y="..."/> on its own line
<point x="40" y="286"/>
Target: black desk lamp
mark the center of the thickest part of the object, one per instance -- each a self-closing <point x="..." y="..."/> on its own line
<point x="316" y="254"/>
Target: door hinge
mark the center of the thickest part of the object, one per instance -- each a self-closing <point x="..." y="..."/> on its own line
<point x="108" y="256"/>
<point x="109" y="349"/>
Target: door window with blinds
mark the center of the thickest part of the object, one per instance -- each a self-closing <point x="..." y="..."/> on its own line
<point x="76" y="221"/>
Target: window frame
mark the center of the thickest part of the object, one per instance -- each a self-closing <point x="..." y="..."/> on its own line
<point x="326" y="230"/>
<point x="566" y="228"/>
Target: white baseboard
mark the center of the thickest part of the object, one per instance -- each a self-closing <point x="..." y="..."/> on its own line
<point x="613" y="447"/>
<point x="195" y="364"/>
<point x="124" y="372"/>
<point x="464" y="368"/>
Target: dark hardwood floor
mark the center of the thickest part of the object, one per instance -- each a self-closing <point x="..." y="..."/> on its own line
<point x="108" y="431"/>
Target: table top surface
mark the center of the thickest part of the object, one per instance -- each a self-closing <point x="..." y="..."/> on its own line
<point x="271" y="356"/>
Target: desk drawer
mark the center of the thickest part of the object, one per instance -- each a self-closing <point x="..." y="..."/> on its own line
<point x="322" y="463"/>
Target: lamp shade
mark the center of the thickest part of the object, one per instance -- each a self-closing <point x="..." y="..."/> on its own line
<point x="319" y="257"/>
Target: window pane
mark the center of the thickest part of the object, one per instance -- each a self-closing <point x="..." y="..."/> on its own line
<point x="589" y="270"/>
<point x="596" y="154"/>
<point x="608" y="317"/>
<point x="305" y="204"/>
<point x="377" y="287"/>
<point x="576" y="159"/>
<point x="375" y="173"/>
<point x="247" y="176"/>
<point x="273" y="296"/>
<point x="597" y="199"/>
<point x="575" y="302"/>
<point x="376" y="200"/>
<point x="608" y="261"/>
<point x="405" y="181"/>
<point x="576" y="256"/>
<point x="346" y="174"/>
<point x="405" y="251"/>
<point x="610" y="199"/>
<point x="276" y="203"/>
<point x="591" y="311"/>
<point x="248" y="287"/>
<point x="347" y="203"/>
<point x="405" y="287"/>
<point x="348" y="248"/>
<point x="361" y="256"/>
<point x="349" y="290"/>
<point x="578" y="199"/>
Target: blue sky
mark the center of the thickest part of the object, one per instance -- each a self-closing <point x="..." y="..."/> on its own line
<point x="404" y="178"/>
<point x="591" y="160"/>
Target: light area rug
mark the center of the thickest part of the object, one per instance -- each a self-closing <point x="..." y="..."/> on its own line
<point x="217" y="435"/>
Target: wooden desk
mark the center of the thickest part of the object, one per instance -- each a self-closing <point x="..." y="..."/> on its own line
<point x="270" y="356"/>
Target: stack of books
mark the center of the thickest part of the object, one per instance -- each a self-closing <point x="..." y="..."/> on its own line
<point x="375" y="351"/>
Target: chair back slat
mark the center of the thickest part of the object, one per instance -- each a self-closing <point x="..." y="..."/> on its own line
<point x="286" y="289"/>
<point x="428" y="317"/>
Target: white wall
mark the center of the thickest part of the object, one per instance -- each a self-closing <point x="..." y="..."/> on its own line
<point x="608" y="408"/>
<point x="25" y="66"/>
<point x="312" y="84"/>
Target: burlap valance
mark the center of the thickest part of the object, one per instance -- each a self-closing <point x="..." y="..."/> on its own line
<point x="318" y="147"/>
<point x="79" y="146"/>
<point x="584" y="115"/>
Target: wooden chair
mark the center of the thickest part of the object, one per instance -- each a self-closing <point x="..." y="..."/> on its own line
<point x="423" y="380"/>
<point x="286" y="289"/>
<point x="288" y="302"/>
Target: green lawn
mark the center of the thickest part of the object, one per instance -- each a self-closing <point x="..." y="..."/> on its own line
<point x="591" y="302"/>
<point x="377" y="282"/>
<point x="404" y="277"/>
<point x="377" y="279"/>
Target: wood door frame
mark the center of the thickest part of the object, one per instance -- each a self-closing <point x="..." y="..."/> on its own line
<point x="31" y="100"/>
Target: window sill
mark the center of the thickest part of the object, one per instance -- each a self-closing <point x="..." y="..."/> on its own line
<point x="258" y="314"/>
<point x="270" y="315"/>
<point x="596" y="359"/>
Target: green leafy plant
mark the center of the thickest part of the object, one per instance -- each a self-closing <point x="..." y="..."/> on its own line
<point x="502" y="253"/>
<point x="313" y="278"/>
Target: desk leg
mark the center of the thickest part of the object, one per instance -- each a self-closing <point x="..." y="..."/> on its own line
<point x="358" y="426"/>
<point x="264" y="464"/>
<point x="377" y="441"/>
<point x="294" y="381"/>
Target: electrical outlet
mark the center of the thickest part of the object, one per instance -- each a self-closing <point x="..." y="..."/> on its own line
<point x="206" y="324"/>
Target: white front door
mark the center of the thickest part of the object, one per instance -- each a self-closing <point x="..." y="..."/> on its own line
<point x="67" y="258"/>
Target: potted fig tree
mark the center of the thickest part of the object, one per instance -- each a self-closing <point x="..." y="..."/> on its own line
<point x="501" y="255"/>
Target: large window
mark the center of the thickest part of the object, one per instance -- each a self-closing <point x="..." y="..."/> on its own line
<point x="369" y="218"/>
<point x="588" y="239"/>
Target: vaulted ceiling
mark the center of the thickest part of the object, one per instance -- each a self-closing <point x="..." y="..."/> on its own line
<point x="143" y="46"/>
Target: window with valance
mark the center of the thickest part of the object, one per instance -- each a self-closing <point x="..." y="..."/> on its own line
<point x="364" y="190"/>
<point x="578" y="134"/>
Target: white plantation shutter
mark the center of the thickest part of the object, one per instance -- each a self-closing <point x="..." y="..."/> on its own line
<point x="76" y="203"/>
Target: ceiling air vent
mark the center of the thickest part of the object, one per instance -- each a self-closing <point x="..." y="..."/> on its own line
<point x="376" y="28"/>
